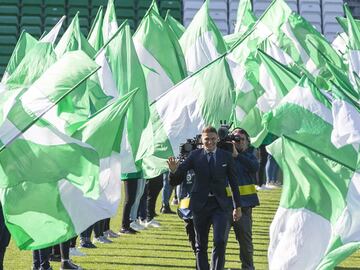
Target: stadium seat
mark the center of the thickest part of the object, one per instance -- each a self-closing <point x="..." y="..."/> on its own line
<point x="8" y="29"/>
<point x="126" y="4"/>
<point x="6" y="50"/>
<point x="125" y="13"/>
<point x="54" y="11"/>
<point x="31" y="10"/>
<point x="8" y="40"/>
<point x="260" y="6"/>
<point x="83" y="11"/>
<point x="79" y="3"/>
<point x="30" y="20"/>
<point x="8" y="20"/>
<point x="35" y="31"/>
<point x="11" y="10"/>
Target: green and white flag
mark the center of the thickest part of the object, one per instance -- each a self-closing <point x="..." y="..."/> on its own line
<point x="54" y="32"/>
<point x="34" y="63"/>
<point x="245" y="18"/>
<point x="73" y="39"/>
<point x="317" y="223"/>
<point x="95" y="37"/>
<point x="108" y="123"/>
<point x="305" y="116"/>
<point x="183" y="111"/>
<point x="128" y="75"/>
<point x="110" y="24"/>
<point x="38" y="162"/>
<point x="354" y="46"/>
<point x="340" y="44"/>
<point x="277" y="80"/>
<point x="202" y="41"/>
<point x="177" y="28"/>
<point x="24" y="44"/>
<point x="159" y="53"/>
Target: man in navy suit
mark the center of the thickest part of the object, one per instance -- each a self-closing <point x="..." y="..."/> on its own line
<point x="214" y="169"/>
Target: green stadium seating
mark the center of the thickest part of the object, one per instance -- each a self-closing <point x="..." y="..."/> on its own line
<point x="30" y="20"/>
<point x="8" y="29"/>
<point x="83" y="12"/>
<point x="9" y="10"/>
<point x="144" y="4"/>
<point x="54" y="11"/>
<point x="79" y="3"/>
<point x="8" y="40"/>
<point x="51" y="21"/>
<point x="97" y="3"/>
<point x="4" y="59"/>
<point x="8" y="20"/>
<point x="170" y="5"/>
<point x="6" y="50"/>
<point x="31" y="2"/>
<point x="13" y="2"/>
<point x="31" y="10"/>
<point x="126" y="4"/>
<point x="57" y="3"/>
<point x="35" y="31"/>
<point x="125" y="13"/>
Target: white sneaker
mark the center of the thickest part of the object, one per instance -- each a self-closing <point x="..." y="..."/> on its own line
<point x="263" y="187"/>
<point x="142" y="222"/>
<point x="136" y="226"/>
<point x="110" y="234"/>
<point x="106" y="240"/>
<point x="99" y="240"/>
<point x="75" y="252"/>
<point x="152" y="223"/>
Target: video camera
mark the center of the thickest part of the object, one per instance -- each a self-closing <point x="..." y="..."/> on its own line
<point x="188" y="146"/>
<point x="225" y="137"/>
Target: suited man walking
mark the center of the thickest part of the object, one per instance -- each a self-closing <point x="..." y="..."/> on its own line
<point x="214" y="169"/>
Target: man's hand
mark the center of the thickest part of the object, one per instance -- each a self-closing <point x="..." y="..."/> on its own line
<point x="173" y="164"/>
<point x="235" y="152"/>
<point x="237" y="214"/>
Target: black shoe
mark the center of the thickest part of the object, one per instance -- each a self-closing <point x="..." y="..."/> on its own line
<point x="165" y="209"/>
<point x="128" y="231"/>
<point x="69" y="265"/>
<point x="87" y="245"/>
<point x="50" y="268"/>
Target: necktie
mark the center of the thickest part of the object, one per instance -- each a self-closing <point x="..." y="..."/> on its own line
<point x="211" y="163"/>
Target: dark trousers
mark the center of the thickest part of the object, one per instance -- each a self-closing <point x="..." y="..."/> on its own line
<point x="262" y="161"/>
<point x="211" y="214"/>
<point x="41" y="258"/>
<point x="73" y="242"/>
<point x="86" y="233"/>
<point x="106" y="224"/>
<point x="130" y="196"/>
<point x="190" y="232"/>
<point x="243" y="233"/>
<point x="99" y="228"/>
<point x="154" y="187"/>
<point x="4" y="238"/>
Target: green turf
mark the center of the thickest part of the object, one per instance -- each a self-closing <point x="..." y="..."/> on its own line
<point x="167" y="247"/>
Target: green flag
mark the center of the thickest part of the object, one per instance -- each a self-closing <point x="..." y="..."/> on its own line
<point x="95" y="36"/>
<point x="305" y="115"/>
<point x="174" y="25"/>
<point x="128" y="74"/>
<point x="110" y="24"/>
<point x="73" y="39"/>
<point x="245" y="18"/>
<point x="159" y="53"/>
<point x="38" y="162"/>
<point x="34" y="63"/>
<point x="317" y="223"/>
<point x="23" y="46"/>
<point x="202" y="41"/>
<point x="54" y="32"/>
<point x="183" y="111"/>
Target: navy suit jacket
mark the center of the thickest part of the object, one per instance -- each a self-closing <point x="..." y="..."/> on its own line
<point x="225" y="173"/>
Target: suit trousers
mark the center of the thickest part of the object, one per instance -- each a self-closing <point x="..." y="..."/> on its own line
<point x="211" y="214"/>
<point x="243" y="233"/>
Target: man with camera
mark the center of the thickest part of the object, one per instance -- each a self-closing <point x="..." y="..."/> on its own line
<point x="247" y="166"/>
<point x="214" y="169"/>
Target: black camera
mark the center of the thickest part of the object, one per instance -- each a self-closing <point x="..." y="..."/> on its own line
<point x="225" y="137"/>
<point x="188" y="146"/>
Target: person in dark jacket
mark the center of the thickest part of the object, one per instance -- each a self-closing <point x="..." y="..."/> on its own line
<point x="247" y="165"/>
<point x="4" y="238"/>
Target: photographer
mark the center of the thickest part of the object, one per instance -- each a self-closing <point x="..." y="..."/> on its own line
<point x="214" y="169"/>
<point x="247" y="166"/>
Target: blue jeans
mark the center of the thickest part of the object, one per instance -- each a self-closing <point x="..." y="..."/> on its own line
<point x="139" y="193"/>
<point x="167" y="189"/>
<point x="271" y="169"/>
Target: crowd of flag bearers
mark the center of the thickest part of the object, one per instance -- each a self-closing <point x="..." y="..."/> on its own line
<point x="82" y="117"/>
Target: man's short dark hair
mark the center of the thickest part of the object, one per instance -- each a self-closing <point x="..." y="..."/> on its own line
<point x="209" y="129"/>
<point x="242" y="131"/>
